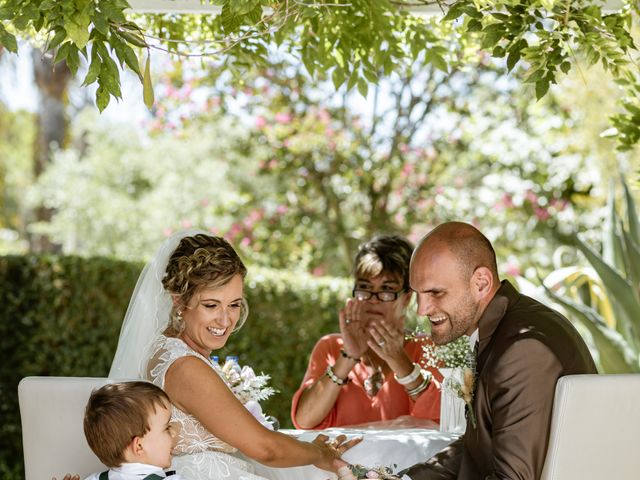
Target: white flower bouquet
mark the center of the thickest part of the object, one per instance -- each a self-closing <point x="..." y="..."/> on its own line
<point x="249" y="388"/>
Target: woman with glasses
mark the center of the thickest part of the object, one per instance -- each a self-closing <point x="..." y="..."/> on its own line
<point x="369" y="372"/>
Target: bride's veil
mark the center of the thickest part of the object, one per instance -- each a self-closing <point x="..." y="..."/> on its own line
<point x="147" y="315"/>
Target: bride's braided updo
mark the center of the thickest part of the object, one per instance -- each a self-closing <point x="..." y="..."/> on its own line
<point x="200" y="261"/>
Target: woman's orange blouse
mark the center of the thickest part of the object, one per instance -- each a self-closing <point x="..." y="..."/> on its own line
<point x="353" y="406"/>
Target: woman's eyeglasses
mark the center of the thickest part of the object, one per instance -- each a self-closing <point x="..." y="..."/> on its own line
<point x="383" y="296"/>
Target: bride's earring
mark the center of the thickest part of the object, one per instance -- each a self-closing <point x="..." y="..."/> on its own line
<point x="178" y="322"/>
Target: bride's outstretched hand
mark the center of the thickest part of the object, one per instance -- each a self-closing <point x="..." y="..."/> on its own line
<point x="332" y="450"/>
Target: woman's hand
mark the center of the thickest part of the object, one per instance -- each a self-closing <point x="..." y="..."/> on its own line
<point x="388" y="343"/>
<point x="69" y="476"/>
<point x="353" y="328"/>
<point x="332" y="450"/>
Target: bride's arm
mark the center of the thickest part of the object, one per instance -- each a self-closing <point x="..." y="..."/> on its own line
<point x="196" y="389"/>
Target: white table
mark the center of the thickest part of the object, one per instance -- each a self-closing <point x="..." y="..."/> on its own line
<point x="380" y="447"/>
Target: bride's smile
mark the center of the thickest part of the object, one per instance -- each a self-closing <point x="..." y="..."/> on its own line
<point x="211" y="316"/>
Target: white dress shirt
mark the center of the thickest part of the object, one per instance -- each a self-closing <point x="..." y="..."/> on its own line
<point x="133" y="471"/>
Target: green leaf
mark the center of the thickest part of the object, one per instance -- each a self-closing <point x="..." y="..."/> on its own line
<point x="8" y="40"/>
<point x="632" y="252"/>
<point x="498" y="52"/>
<point x="353" y="78"/>
<point x="102" y="98"/>
<point x="615" y="353"/>
<point x="73" y="59"/>
<point x="78" y="29"/>
<point x="94" y="68"/>
<point x="147" y="87"/>
<point x="618" y="288"/>
<point x="133" y="38"/>
<point x="57" y="39"/>
<point x="474" y="26"/>
<point x="370" y="75"/>
<point x="62" y="52"/>
<point x="454" y="12"/>
<point x="565" y="66"/>
<point x="337" y="77"/>
<point x="363" y="87"/>
<point x="632" y="215"/>
<point x="611" y="242"/>
<point x="131" y="59"/>
<point x="101" y="23"/>
<point x="542" y="86"/>
<point x="439" y="62"/>
<point x="512" y="59"/>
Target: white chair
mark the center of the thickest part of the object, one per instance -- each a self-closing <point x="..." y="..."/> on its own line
<point x="595" y="428"/>
<point x="52" y="413"/>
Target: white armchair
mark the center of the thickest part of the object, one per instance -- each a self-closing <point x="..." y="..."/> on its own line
<point x="595" y="428"/>
<point x="52" y="413"/>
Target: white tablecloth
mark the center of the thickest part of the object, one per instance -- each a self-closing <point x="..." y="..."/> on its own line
<point x="379" y="447"/>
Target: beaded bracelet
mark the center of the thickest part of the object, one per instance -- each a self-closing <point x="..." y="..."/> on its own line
<point x="423" y="386"/>
<point x="346" y="355"/>
<point x="412" y="377"/>
<point x="334" y="378"/>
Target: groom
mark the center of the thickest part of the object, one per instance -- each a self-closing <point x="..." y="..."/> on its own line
<point x="523" y="347"/>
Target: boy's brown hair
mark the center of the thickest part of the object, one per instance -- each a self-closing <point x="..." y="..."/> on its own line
<point x="117" y="413"/>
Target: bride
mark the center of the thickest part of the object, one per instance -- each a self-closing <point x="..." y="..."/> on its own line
<point x="188" y="300"/>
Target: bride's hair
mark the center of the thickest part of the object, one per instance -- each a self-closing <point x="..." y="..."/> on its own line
<point x="201" y="261"/>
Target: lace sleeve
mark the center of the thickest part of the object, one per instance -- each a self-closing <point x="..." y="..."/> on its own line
<point x="166" y="351"/>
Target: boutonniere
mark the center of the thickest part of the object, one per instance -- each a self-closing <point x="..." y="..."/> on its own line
<point x="464" y="388"/>
<point x="463" y="384"/>
<point x="466" y="391"/>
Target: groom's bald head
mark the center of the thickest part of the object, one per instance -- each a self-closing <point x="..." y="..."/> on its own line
<point x="465" y="243"/>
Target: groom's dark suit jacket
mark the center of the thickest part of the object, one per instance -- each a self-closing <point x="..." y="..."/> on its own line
<point x="524" y="348"/>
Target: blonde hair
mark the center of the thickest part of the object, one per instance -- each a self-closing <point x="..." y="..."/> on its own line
<point x="117" y="413"/>
<point x="201" y="261"/>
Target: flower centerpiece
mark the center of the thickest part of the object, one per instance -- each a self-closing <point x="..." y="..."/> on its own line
<point x="248" y="387"/>
<point x="362" y="472"/>
<point x="456" y="361"/>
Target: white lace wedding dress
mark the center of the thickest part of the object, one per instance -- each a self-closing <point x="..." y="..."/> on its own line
<point x="198" y="454"/>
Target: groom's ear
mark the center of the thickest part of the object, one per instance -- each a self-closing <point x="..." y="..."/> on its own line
<point x="482" y="282"/>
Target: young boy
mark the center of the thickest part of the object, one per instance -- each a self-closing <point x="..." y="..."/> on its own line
<point x="127" y="426"/>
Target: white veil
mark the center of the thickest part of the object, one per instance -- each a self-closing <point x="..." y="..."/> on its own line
<point x="147" y="315"/>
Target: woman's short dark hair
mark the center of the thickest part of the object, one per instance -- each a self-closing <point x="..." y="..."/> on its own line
<point x="384" y="253"/>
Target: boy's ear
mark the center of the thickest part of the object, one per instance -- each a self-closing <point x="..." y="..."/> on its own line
<point x="134" y="451"/>
<point x="136" y="446"/>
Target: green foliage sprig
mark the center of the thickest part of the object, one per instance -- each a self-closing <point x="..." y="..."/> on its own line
<point x="98" y="31"/>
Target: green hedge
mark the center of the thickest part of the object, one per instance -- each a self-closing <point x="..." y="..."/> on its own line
<point x="61" y="316"/>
